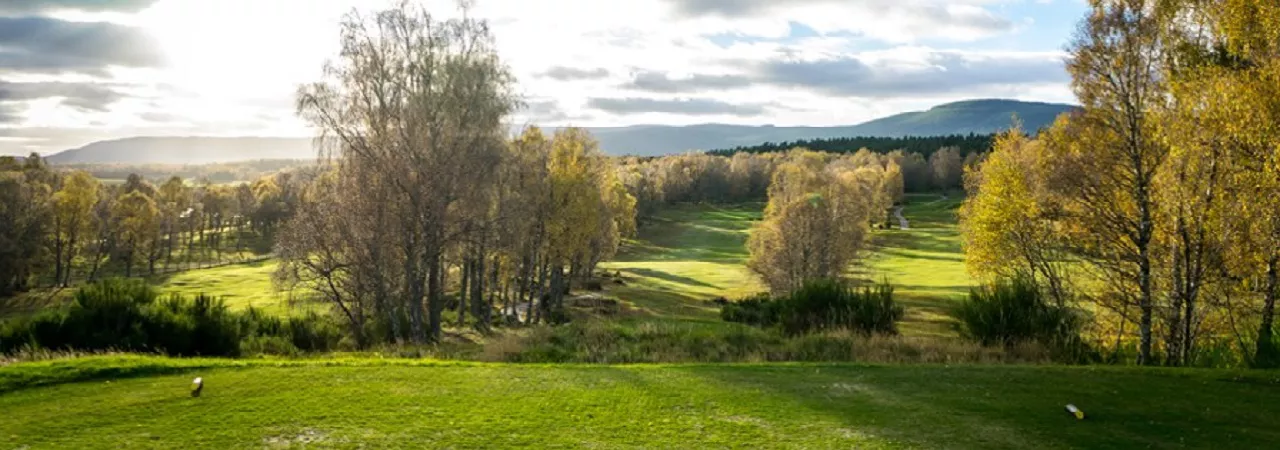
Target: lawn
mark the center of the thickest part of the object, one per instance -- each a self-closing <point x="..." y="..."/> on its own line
<point x="382" y="403"/>
<point x="239" y="285"/>
<point x="925" y="263"/>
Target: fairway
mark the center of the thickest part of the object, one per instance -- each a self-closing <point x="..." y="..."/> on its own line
<point x="370" y="403"/>
<point x="239" y="285"/>
<point x="690" y="254"/>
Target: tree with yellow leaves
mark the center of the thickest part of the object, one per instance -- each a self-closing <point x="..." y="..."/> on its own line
<point x="73" y="220"/>
<point x="1007" y="222"/>
<point x="816" y="221"/>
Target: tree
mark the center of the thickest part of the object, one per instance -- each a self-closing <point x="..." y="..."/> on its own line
<point x="25" y="221"/>
<point x="136" y="216"/>
<point x="815" y="223"/>
<point x="1008" y="220"/>
<point x="421" y="102"/>
<point x="74" y="220"/>
<point x="916" y="174"/>
<point x="1116" y="71"/>
<point x="947" y="168"/>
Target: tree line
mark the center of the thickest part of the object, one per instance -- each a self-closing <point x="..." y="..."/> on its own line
<point x="214" y="173"/>
<point x="1155" y="206"/>
<point x="924" y="145"/>
<point x="59" y="226"/>
<point x="746" y="177"/>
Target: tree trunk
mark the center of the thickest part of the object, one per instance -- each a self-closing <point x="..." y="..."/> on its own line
<point x="477" y="291"/>
<point x="1172" y="343"/>
<point x="1265" y="354"/>
<point x="66" y="276"/>
<point x="556" y="306"/>
<point x="464" y="290"/>
<point x="57" y="258"/>
<point x="435" y="297"/>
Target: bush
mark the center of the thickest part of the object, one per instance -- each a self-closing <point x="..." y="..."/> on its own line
<point x="822" y="305"/>
<point x="1014" y="310"/>
<point x="123" y="315"/>
<point x="758" y="310"/>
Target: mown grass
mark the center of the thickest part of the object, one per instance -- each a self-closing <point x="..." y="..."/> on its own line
<point x="692" y="253"/>
<point x="347" y="403"/>
<point x="240" y="285"/>
<point x="925" y="263"/>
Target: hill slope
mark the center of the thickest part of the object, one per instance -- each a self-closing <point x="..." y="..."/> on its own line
<point x="186" y="150"/>
<point x="973" y="116"/>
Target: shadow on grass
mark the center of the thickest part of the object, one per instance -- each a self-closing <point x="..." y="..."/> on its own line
<point x="18" y="378"/>
<point x="1020" y="407"/>
<point x="661" y="275"/>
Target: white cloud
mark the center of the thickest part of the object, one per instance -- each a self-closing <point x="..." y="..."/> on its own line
<point x="232" y="66"/>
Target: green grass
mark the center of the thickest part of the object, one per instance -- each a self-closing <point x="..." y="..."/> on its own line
<point x="691" y="253"/>
<point x="113" y="402"/>
<point x="687" y="255"/>
<point x="239" y="285"/>
<point x="925" y="263"/>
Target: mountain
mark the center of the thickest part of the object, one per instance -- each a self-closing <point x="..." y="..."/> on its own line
<point x="972" y="116"/>
<point x="185" y="150"/>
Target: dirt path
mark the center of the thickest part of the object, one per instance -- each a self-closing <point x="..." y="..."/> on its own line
<point x="902" y="221"/>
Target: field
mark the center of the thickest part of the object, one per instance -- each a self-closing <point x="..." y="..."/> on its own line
<point x="370" y="403"/>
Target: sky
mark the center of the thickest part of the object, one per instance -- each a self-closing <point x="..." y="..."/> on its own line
<point x="77" y="71"/>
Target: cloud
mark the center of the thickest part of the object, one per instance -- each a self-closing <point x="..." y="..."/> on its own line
<point x="51" y="46"/>
<point x="693" y="106"/>
<point x="544" y="111"/>
<point x="36" y="6"/>
<point x="10" y="113"/>
<point x="83" y="96"/>
<point x="562" y="73"/>
<point x="654" y="81"/>
<point x="928" y="73"/>
<point x="888" y="20"/>
<point x="730" y="8"/>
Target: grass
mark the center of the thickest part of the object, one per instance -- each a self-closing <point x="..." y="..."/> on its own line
<point x="142" y="402"/>
<point x="687" y="255"/>
<point x="239" y="285"/>
<point x="692" y="253"/>
<point x="925" y="263"/>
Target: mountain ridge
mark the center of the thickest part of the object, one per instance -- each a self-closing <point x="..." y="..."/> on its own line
<point x="979" y="116"/>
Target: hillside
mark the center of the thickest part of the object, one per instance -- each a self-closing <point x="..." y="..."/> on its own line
<point x="973" y="116"/>
<point x="186" y="150"/>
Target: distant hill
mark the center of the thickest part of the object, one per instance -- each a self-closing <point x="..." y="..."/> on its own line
<point x="186" y="150"/>
<point x="959" y="118"/>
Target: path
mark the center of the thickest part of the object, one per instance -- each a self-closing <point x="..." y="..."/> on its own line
<point x="902" y="221"/>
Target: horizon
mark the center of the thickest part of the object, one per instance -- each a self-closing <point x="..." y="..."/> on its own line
<point x="80" y="71"/>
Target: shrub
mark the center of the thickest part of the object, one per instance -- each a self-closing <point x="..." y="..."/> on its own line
<point x="1014" y="310"/>
<point x="758" y="310"/>
<point x="822" y="305"/>
<point x="123" y="315"/>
